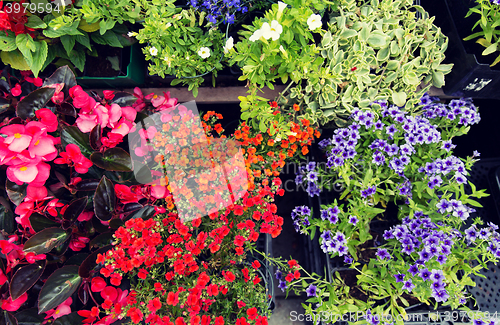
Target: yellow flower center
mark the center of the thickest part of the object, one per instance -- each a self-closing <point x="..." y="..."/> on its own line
<point x="37" y="142"/>
<point x="119" y="126"/>
<point x="57" y="311"/>
<point x="23" y="168"/>
<point x="17" y="135"/>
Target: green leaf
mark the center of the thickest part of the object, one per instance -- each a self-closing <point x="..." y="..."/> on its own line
<point x="399" y="98"/>
<point x="15" y="59"/>
<point x="7" y="42"/>
<point x="68" y="41"/>
<point x="25" y="278"/>
<point x="113" y="159"/>
<point x="377" y="39"/>
<point x="104" y="199"/>
<point x="35" y="100"/>
<point x="45" y="240"/>
<point x="72" y="134"/>
<point x="35" y="22"/>
<point x="490" y="49"/>
<point x="348" y="33"/>
<point x="84" y="40"/>
<point x="108" y="38"/>
<point x="78" y="59"/>
<point x="58" y="287"/>
<point x="39" y="57"/>
<point x="437" y="79"/>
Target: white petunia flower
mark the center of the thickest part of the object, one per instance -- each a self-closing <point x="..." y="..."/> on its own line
<point x="272" y="31"/>
<point x="256" y="35"/>
<point x="204" y="52"/>
<point x="314" y="21"/>
<point x="229" y="44"/>
<point x="153" y="51"/>
<point x="281" y="7"/>
<point x="131" y="34"/>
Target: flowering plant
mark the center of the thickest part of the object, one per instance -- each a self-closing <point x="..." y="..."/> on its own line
<point x="279" y="45"/>
<point x="370" y="51"/>
<point x="388" y="155"/>
<point x="33" y="37"/>
<point x="487" y="13"/>
<point x="68" y="185"/>
<point x="181" y="42"/>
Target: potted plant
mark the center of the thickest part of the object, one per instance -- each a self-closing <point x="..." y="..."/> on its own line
<point x="114" y="240"/>
<point x="366" y="53"/>
<point x="390" y="156"/>
<point x="472" y="75"/>
<point x="34" y="37"/>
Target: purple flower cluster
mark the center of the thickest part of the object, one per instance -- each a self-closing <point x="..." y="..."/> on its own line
<point x="344" y="143"/>
<point x="331" y="243"/>
<point x="331" y="214"/>
<point x="369" y="191"/>
<point x="461" y="110"/>
<point x="427" y="241"/>
<point x="455" y="207"/>
<point x="300" y="216"/>
<point x="282" y="283"/>
<point x="216" y="10"/>
<point x="444" y="167"/>
<point x="496" y="2"/>
<point x="309" y="175"/>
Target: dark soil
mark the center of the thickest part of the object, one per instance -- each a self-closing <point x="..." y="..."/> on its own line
<point x="350" y="279"/>
<point x="100" y="66"/>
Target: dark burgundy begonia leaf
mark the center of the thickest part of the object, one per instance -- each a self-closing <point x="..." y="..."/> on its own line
<point x="113" y="159"/>
<point x="104" y="199"/>
<point x="45" y="240"/>
<point x="33" y="101"/>
<point x="59" y="286"/>
<point x="25" y="278"/>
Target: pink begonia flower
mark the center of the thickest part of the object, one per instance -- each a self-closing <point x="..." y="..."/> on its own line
<point x="123" y="127"/>
<point x="78" y="242"/>
<point x="3" y="278"/>
<point x="16" y="137"/>
<point x="164" y="102"/>
<point x="61" y="310"/>
<point x="85" y="216"/>
<point x="32" y="257"/>
<point x="126" y="195"/>
<point x="112" y="140"/>
<point x="36" y="81"/>
<point x="34" y="194"/>
<point x="108" y="94"/>
<point x="58" y="96"/>
<point x="13" y="305"/>
<point x="73" y="157"/>
<point x="81" y="99"/>
<point x="35" y="173"/>
<point x="46" y="117"/>
<point x="16" y="91"/>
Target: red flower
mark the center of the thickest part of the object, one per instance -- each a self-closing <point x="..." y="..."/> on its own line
<point x="219" y="321"/>
<point x="116" y="279"/>
<point x="242" y="321"/>
<point x="229" y="276"/>
<point x="239" y="240"/>
<point x="256" y="264"/>
<point x="172" y="298"/>
<point x="252" y="313"/>
<point x="213" y="290"/>
<point x="73" y="157"/>
<point x="13" y="305"/>
<point x="241" y="304"/>
<point x="296" y="275"/>
<point x="135" y="314"/>
<point x="98" y="284"/>
<point x="154" y="305"/>
<point x="354" y="69"/>
<point x="158" y="286"/>
<point x="143" y="274"/>
<point x="16" y="91"/>
<point x="293" y="263"/>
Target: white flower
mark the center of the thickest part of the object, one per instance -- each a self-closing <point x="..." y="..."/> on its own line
<point x="256" y="35"/>
<point x="272" y="31"/>
<point x="131" y="34"/>
<point x="314" y="21"/>
<point x="168" y="25"/>
<point x="282" y="50"/>
<point x="281" y="7"/>
<point x="204" y="52"/>
<point x="153" y="51"/>
<point x="229" y="44"/>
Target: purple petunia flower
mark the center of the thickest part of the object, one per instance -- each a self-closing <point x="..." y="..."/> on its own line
<point x="282" y="285"/>
<point x="353" y="220"/>
<point x="408" y="285"/>
<point x="441" y="295"/>
<point x="383" y="254"/>
<point x="425" y="274"/>
<point x="399" y="277"/>
<point x="311" y="291"/>
<point x="413" y="270"/>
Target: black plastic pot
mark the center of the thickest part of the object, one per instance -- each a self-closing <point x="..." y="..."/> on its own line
<point x="469" y="77"/>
